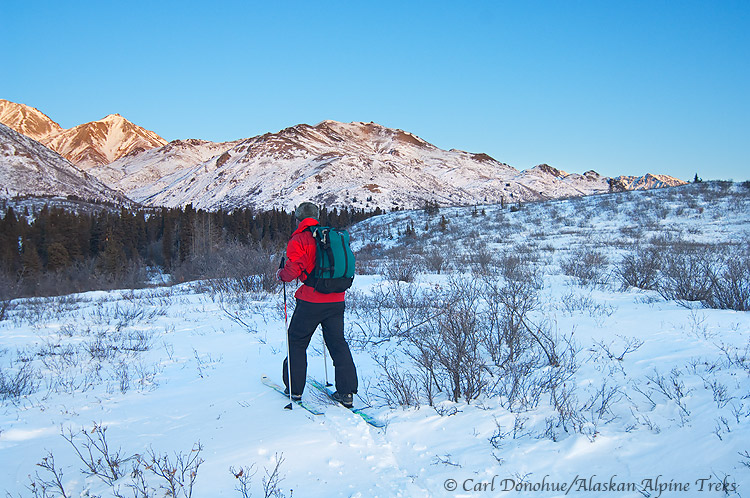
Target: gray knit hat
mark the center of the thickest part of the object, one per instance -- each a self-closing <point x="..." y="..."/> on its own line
<point x="307" y="210"/>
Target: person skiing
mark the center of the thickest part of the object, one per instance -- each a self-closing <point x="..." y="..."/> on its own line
<point x="314" y="308"/>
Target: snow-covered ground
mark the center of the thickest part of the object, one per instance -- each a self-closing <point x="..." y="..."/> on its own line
<point x="657" y="403"/>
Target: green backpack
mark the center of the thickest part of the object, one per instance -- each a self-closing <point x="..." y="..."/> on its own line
<point x="334" y="260"/>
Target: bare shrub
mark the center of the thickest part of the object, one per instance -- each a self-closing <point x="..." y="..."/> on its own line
<point x="482" y="260"/>
<point x="397" y="387"/>
<point x="686" y="273"/>
<point x="391" y="310"/>
<point x="599" y="405"/>
<point x="367" y="257"/>
<point x="735" y="357"/>
<point x="640" y="268"/>
<point x="587" y="265"/>
<point x="435" y="259"/>
<point x="673" y="388"/>
<point x="244" y="476"/>
<point x="565" y="402"/>
<point x="508" y="301"/>
<point x="23" y="382"/>
<point x="43" y="487"/>
<point x="177" y="474"/>
<point x="450" y="344"/>
<point x="401" y="269"/>
<point x="731" y="283"/>
<point x="273" y="478"/>
<point x="98" y="459"/>
<point x="471" y="338"/>
<point x="573" y="302"/>
<point x="242" y="268"/>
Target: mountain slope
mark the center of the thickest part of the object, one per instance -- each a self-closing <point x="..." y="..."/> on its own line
<point x="29" y="168"/>
<point x="648" y="181"/>
<point x="361" y="165"/>
<point x="150" y="167"/>
<point x="338" y="165"/>
<point x="101" y="142"/>
<point x="27" y="120"/>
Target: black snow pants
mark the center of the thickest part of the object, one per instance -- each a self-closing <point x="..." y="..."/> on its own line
<point x="306" y="318"/>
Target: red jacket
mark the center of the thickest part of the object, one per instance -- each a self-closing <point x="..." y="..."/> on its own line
<point x="300" y="255"/>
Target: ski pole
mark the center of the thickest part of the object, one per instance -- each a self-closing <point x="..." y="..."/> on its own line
<point x="288" y="356"/>
<point x="325" y="362"/>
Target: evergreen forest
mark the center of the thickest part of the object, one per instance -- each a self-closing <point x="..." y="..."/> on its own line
<point x="55" y="250"/>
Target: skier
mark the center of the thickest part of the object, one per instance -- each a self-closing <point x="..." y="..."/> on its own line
<point x="314" y="308"/>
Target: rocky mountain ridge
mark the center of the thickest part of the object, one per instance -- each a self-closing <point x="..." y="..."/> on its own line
<point x="86" y="145"/>
<point x="359" y="165"/>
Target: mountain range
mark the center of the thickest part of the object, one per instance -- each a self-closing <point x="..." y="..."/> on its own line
<point x="86" y="145"/>
<point x="360" y="165"/>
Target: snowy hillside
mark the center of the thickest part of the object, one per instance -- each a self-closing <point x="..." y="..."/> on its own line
<point x="647" y="182"/>
<point x="362" y="165"/>
<point x="29" y="168"/>
<point x="353" y="165"/>
<point x="552" y="183"/>
<point x="153" y="166"/>
<point x="596" y="387"/>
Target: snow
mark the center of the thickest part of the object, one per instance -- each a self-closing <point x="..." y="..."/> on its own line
<point x="362" y="165"/>
<point x="354" y="165"/>
<point x="155" y="165"/>
<point x="27" y="168"/>
<point x="199" y="379"/>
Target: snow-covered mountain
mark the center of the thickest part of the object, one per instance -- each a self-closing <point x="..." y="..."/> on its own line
<point x="87" y="145"/>
<point x="27" y="120"/>
<point x="336" y="164"/>
<point x="648" y="181"/>
<point x="362" y="165"/>
<point x="101" y="142"/>
<point x="552" y="183"/>
<point x="151" y="167"/>
<point x="29" y="168"/>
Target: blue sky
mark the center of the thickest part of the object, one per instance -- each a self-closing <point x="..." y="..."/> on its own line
<point x="619" y="87"/>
